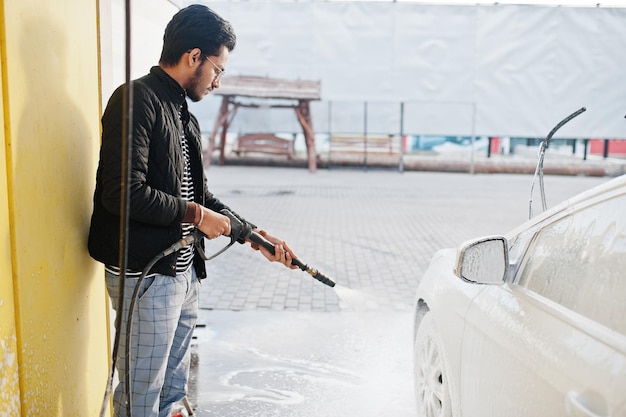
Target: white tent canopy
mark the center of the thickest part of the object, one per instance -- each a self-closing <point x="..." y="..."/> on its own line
<point x="498" y="69"/>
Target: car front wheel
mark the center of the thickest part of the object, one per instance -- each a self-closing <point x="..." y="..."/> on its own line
<point x="431" y="380"/>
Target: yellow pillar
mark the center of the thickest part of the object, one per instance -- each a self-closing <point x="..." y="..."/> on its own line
<point x="9" y="379"/>
<point x="53" y="316"/>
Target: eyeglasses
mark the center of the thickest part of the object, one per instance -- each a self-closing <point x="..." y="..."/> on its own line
<point x="220" y="72"/>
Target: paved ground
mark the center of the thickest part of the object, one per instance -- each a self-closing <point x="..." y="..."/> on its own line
<point x="275" y="342"/>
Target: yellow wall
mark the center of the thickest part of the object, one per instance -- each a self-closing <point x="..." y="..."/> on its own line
<point x="52" y="298"/>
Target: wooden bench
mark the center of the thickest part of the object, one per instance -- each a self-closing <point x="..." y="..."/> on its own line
<point x="368" y="149"/>
<point x="263" y="143"/>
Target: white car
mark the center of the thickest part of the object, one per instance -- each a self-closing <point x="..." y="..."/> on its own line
<point x="532" y="323"/>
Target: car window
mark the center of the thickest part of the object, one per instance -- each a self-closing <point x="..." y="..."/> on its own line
<point x="580" y="263"/>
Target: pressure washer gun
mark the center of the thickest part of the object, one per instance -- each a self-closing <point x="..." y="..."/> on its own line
<point x="241" y="231"/>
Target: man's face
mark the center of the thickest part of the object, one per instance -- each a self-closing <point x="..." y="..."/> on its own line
<point x="207" y="75"/>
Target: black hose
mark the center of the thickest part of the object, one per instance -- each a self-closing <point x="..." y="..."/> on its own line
<point x="539" y="169"/>
<point x="186" y="241"/>
<point x="127" y="146"/>
<point x="239" y="231"/>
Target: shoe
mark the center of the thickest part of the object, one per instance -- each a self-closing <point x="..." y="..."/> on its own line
<point x="182" y="409"/>
<point x="179" y="412"/>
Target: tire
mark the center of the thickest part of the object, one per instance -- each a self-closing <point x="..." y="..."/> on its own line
<point x="432" y="392"/>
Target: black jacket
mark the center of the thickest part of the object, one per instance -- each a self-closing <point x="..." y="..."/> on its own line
<point x="156" y="171"/>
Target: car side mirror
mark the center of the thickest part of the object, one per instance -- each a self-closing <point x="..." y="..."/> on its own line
<point x="483" y="261"/>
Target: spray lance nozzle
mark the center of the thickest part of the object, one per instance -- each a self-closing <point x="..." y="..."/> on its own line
<point x="241" y="231"/>
<point x="261" y="241"/>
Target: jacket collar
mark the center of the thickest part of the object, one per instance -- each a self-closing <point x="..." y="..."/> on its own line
<point x="173" y="90"/>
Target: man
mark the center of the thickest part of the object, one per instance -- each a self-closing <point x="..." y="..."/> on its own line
<point x="168" y="199"/>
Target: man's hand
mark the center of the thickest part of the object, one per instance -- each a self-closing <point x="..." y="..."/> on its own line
<point x="214" y="224"/>
<point x="282" y="252"/>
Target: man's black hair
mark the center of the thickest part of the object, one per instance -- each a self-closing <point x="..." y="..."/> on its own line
<point x="196" y="26"/>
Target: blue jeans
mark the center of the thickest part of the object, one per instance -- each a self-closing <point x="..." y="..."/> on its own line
<point x="163" y="321"/>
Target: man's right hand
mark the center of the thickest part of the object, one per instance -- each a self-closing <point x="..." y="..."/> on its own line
<point x="214" y="224"/>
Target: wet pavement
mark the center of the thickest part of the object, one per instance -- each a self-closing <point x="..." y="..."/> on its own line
<point x="275" y="342"/>
<point x="301" y="364"/>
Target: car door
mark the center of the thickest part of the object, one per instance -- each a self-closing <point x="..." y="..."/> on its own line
<point x="553" y="343"/>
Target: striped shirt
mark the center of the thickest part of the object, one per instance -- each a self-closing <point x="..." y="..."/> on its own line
<point x="185" y="256"/>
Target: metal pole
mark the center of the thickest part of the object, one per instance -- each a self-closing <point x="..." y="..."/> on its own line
<point x="365" y="133"/>
<point x="472" y="168"/>
<point x="401" y="164"/>
<point x="330" y="134"/>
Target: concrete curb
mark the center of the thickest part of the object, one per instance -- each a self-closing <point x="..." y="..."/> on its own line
<point x="496" y="165"/>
